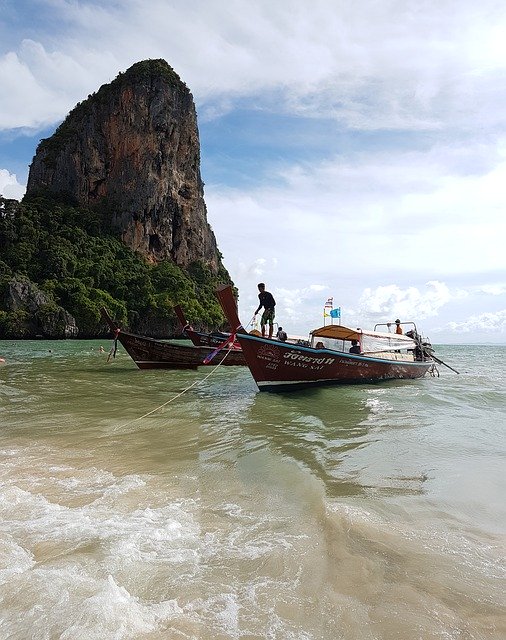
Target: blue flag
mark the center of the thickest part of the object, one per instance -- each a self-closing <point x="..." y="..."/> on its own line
<point x="335" y="313"/>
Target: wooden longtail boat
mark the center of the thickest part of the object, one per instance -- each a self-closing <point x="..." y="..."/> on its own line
<point x="283" y="366"/>
<point x="148" y="353"/>
<point x="200" y="338"/>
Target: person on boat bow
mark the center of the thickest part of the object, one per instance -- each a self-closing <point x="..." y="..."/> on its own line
<point x="398" y="328"/>
<point x="268" y="303"/>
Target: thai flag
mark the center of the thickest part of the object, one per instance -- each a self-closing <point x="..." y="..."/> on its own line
<point x="330" y="303"/>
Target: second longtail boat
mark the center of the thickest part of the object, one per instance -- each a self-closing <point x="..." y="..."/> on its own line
<point x="149" y="353"/>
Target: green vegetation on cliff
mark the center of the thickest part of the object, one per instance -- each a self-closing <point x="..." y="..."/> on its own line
<point x="80" y="266"/>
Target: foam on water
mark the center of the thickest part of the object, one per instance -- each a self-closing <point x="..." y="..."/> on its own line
<point x="363" y="513"/>
<point x="67" y="604"/>
<point x="61" y="558"/>
<point x="120" y="558"/>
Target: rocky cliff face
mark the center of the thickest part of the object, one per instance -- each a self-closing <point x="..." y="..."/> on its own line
<point x="132" y="149"/>
<point x="41" y="316"/>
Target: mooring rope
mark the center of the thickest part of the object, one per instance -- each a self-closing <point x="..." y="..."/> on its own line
<point x="176" y="396"/>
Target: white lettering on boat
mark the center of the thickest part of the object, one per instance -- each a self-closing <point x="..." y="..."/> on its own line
<point x="300" y="357"/>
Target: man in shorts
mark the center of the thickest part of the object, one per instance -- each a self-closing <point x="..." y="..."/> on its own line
<point x="268" y="303"/>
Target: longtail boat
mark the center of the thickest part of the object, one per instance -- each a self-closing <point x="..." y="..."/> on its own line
<point x="149" y="353"/>
<point x="325" y="359"/>
<point x="200" y="338"/>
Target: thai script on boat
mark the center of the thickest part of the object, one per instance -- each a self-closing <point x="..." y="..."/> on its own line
<point x="307" y="359"/>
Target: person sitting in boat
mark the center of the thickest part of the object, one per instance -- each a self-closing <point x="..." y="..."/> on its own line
<point x="268" y="303"/>
<point x="281" y="335"/>
<point x="355" y="347"/>
<point x="398" y="328"/>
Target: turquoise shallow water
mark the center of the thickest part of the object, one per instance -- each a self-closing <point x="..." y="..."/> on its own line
<point x="372" y="511"/>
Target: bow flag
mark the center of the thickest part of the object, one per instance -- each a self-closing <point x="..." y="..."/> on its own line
<point x="335" y="313"/>
<point x="330" y="302"/>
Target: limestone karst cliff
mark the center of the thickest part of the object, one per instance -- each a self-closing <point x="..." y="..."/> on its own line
<point x="114" y="216"/>
<point x="132" y="150"/>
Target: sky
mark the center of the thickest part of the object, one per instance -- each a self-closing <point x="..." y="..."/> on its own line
<point x="349" y="149"/>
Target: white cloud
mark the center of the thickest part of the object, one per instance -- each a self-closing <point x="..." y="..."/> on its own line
<point x="368" y="64"/>
<point x="495" y="323"/>
<point x="497" y="289"/>
<point x="362" y="216"/>
<point x="392" y="300"/>
<point x="403" y="228"/>
<point x="9" y="186"/>
<point x="39" y="87"/>
<point x="257" y="267"/>
<point x="21" y="94"/>
<point x="293" y="303"/>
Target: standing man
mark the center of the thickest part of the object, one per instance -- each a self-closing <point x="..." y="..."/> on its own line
<point x="268" y="303"/>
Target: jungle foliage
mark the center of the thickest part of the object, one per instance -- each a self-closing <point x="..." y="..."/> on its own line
<point x="76" y="260"/>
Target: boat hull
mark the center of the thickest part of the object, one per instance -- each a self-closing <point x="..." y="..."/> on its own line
<point x="149" y="353"/>
<point x="279" y="366"/>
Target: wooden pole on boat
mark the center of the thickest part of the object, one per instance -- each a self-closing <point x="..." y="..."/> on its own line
<point x="180" y="315"/>
<point x="229" y="306"/>
<point x="444" y="363"/>
<point x="428" y="351"/>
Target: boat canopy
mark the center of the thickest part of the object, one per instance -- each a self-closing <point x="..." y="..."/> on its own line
<point x="370" y="341"/>
<point x="338" y="332"/>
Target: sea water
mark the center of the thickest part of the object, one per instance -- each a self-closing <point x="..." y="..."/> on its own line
<point x="164" y="504"/>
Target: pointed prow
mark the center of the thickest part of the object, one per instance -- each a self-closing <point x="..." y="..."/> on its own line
<point x="108" y="320"/>
<point x="229" y="306"/>
<point x="180" y="315"/>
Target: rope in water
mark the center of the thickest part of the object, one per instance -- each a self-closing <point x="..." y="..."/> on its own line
<point x="197" y="382"/>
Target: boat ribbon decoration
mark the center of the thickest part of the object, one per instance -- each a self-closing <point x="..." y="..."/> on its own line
<point x="210" y="356"/>
<point x="114" y="348"/>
